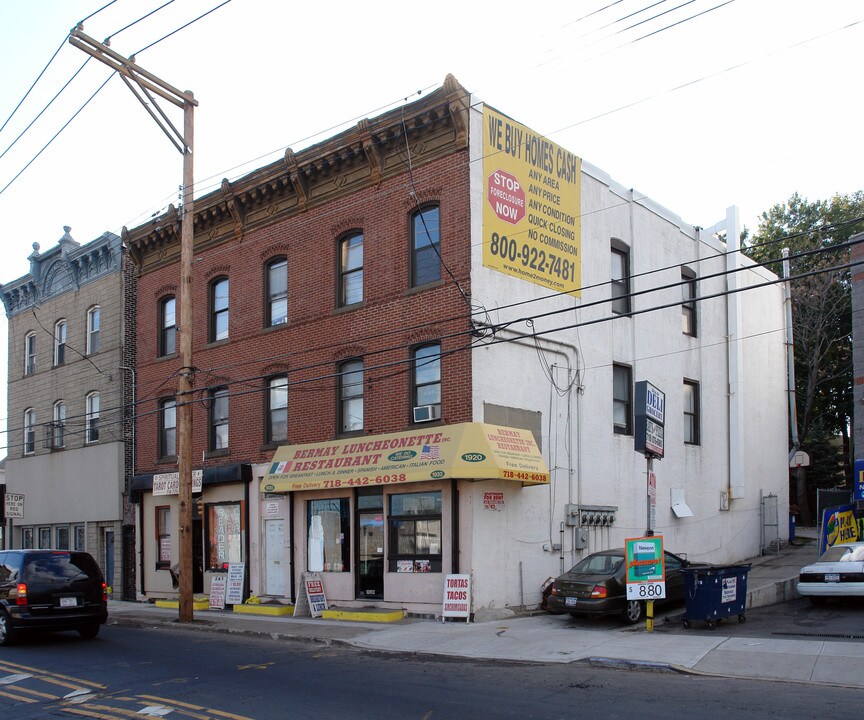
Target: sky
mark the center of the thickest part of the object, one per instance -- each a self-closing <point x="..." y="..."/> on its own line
<point x="698" y="104"/>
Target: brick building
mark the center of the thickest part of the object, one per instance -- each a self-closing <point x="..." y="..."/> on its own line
<point x="70" y="374"/>
<point x="409" y="361"/>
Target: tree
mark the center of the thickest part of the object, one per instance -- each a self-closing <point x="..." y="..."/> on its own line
<point x="821" y="325"/>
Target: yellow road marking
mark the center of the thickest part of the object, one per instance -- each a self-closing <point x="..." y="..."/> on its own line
<point x="12" y="696"/>
<point x="15" y="667"/>
<point x="37" y="693"/>
<point x="255" y="666"/>
<point x="120" y="712"/>
<point x="85" y="713"/>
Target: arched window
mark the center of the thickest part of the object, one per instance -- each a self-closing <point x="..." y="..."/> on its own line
<point x="425" y="246"/>
<point x="30" y="353"/>
<point x="167" y="326"/>
<point x="59" y="343"/>
<point x="58" y="439"/>
<point x="277" y="292"/>
<point x="92" y="419"/>
<point x="29" y="431"/>
<point x="219" y="309"/>
<point x="94" y="320"/>
<point x="351" y="396"/>
<point x="351" y="269"/>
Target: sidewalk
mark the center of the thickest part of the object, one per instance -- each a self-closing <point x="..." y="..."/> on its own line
<point x="541" y="638"/>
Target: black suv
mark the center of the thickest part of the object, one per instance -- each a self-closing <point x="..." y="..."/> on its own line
<point x="50" y="590"/>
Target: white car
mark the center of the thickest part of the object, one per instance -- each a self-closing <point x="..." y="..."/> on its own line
<point x="839" y="572"/>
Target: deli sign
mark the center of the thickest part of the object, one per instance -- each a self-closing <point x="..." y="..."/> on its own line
<point x="650" y="416"/>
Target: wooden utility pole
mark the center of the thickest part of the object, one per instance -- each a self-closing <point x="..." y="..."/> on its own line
<point x="144" y="86"/>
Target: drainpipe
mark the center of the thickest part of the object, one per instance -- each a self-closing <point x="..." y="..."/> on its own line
<point x="734" y="357"/>
<point x="790" y="357"/>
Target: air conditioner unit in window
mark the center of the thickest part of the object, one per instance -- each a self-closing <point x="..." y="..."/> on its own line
<point x="427" y="413"/>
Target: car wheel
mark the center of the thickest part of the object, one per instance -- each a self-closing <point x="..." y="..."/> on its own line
<point x="7" y="634"/>
<point x="88" y="631"/>
<point x="818" y="600"/>
<point x="633" y="612"/>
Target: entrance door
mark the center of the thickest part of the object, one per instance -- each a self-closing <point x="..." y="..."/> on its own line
<point x="109" y="557"/>
<point x="274" y="554"/>
<point x="370" y="559"/>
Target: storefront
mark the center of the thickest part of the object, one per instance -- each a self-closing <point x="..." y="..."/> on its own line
<point x="220" y="527"/>
<point x="381" y="517"/>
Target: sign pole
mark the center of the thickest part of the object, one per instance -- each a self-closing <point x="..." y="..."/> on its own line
<point x="649" y="530"/>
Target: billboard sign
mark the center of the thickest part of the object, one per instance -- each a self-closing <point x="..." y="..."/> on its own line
<point x="532" y="204"/>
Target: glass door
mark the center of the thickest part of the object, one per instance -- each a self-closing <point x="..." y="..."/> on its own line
<point x="370" y="544"/>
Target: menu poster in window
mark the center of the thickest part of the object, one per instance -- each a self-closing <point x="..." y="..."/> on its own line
<point x="217" y="592"/>
<point x="457" y="597"/>
<point x="404" y="566"/>
<point x="235" y="583"/>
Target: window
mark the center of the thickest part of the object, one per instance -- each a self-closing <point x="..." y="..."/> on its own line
<point x="163" y="536"/>
<point x="168" y="326"/>
<point x="224" y="537"/>
<point x="30" y="353"/>
<point x="78" y="538"/>
<point x="219" y="419"/>
<point x="59" y="342"/>
<point x="620" y="281"/>
<point x="691" y="413"/>
<point x="277" y="409"/>
<point x="415" y="532"/>
<point x="351" y="396"/>
<point x="336" y="525"/>
<point x="427" y="378"/>
<point x="688" y="302"/>
<point x="219" y="310"/>
<point x="62" y="535"/>
<point x="92" y="419"/>
<point x="93" y="322"/>
<point x="425" y="246"/>
<point x="168" y="428"/>
<point x="29" y="431"/>
<point x="27" y="538"/>
<point x="58" y="439"/>
<point x="44" y="538"/>
<point x="622" y="399"/>
<point x="277" y="292"/>
<point x="351" y="269"/>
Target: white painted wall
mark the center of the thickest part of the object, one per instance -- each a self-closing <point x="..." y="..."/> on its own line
<point x="588" y="462"/>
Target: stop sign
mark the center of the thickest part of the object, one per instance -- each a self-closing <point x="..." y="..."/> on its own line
<point x="506" y="196"/>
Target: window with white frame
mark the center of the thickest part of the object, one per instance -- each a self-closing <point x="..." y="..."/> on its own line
<point x="277" y="292"/>
<point x="61" y="532"/>
<point x="58" y="439"/>
<point x="168" y="428"/>
<point x="622" y="399"/>
<point x="426" y="390"/>
<point x="351" y="396"/>
<point x="29" y="431"/>
<point x="219" y="309"/>
<point x="78" y="538"/>
<point x="30" y="353"/>
<point x="94" y="320"/>
<point x="167" y="326"/>
<point x="44" y="538"/>
<point x="92" y="418"/>
<point x="277" y="409"/>
<point x="59" y="343"/>
<point x="163" y="536"/>
<point x="351" y="269"/>
<point x="219" y="419"/>
<point x="27" y="538"/>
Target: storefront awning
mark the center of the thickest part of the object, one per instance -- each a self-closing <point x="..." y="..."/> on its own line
<point x="471" y="451"/>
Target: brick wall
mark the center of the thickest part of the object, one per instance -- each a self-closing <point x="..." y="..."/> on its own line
<point x="318" y="335"/>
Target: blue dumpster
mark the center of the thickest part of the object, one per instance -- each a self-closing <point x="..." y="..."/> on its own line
<point x="715" y="592"/>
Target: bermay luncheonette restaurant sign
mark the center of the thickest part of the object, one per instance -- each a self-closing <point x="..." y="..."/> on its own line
<point x="474" y="451"/>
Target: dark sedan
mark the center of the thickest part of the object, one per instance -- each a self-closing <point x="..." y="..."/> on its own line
<point x="596" y="585"/>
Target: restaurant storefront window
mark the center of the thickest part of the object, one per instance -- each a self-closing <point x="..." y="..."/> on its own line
<point x="336" y="524"/>
<point x="224" y="536"/>
<point x="415" y="532"/>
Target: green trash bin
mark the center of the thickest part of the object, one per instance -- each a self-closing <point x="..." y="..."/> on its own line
<point x="715" y="592"/>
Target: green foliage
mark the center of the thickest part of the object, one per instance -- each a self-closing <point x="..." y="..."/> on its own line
<point x="816" y="234"/>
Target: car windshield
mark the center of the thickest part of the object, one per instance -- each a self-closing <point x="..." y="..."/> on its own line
<point x="835" y="553"/>
<point x="598" y="564"/>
